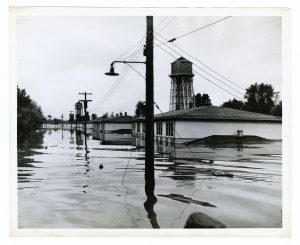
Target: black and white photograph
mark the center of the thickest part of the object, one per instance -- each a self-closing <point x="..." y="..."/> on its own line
<point x="139" y="119"/>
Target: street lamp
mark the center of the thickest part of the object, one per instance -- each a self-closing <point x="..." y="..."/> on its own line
<point x="149" y="115"/>
<point x="112" y="69"/>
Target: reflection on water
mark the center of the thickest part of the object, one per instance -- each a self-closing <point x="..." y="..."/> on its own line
<point x="67" y="179"/>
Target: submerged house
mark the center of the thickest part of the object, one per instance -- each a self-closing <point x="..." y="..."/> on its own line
<point x="182" y="126"/>
<point x="116" y="130"/>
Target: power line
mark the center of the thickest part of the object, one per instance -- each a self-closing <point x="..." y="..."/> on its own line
<point x="202" y="63"/>
<point x="205" y="71"/>
<point x="164" y="26"/>
<point x="166" y="17"/>
<point x="120" y="80"/>
<point x="131" y="47"/>
<point x="125" y="52"/>
<point x="200" y="28"/>
<point x="136" y="71"/>
<point x="176" y="132"/>
<point x="204" y="76"/>
<point x="123" y="75"/>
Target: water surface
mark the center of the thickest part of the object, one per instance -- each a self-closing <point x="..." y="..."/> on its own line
<point x="67" y="182"/>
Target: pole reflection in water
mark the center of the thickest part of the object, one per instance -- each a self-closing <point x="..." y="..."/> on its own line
<point x="86" y="149"/>
<point x="79" y="140"/>
<point x="72" y="138"/>
<point x="150" y="202"/>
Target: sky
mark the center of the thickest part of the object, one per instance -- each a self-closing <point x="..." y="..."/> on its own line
<point x="60" y="56"/>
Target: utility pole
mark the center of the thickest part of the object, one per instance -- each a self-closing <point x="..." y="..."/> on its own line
<point x="149" y="140"/>
<point x="149" y="116"/>
<point x="62" y="121"/>
<point x="71" y="119"/>
<point x="85" y="105"/>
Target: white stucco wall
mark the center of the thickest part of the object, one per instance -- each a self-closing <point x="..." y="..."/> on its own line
<point x="188" y="129"/>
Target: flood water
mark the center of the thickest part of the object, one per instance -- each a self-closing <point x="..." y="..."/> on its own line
<point x="67" y="182"/>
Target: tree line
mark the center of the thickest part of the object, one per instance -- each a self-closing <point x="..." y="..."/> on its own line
<point x="260" y="98"/>
<point x="29" y="114"/>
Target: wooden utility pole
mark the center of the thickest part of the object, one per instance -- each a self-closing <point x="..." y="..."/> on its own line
<point x="85" y="105"/>
<point x="62" y="121"/>
<point x="71" y="119"/>
<point x="149" y="140"/>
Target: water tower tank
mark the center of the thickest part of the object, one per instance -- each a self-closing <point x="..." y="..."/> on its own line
<point x="182" y="91"/>
<point x="181" y="66"/>
<point x="78" y="108"/>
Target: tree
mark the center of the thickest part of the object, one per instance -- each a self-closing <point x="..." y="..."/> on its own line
<point x="29" y="114"/>
<point x="277" y="109"/>
<point x="140" y="110"/>
<point x="234" y="104"/>
<point x="112" y="115"/>
<point x="260" y="98"/>
<point x="104" y="116"/>
<point x="202" y="100"/>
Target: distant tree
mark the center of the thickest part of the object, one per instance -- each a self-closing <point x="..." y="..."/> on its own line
<point x="49" y="117"/>
<point x="112" y="115"/>
<point x="140" y="109"/>
<point x="277" y="109"/>
<point x="260" y="98"/>
<point x="56" y="120"/>
<point x="234" y="104"/>
<point x="94" y="116"/>
<point x="104" y="116"/>
<point x="29" y="114"/>
<point x="202" y="100"/>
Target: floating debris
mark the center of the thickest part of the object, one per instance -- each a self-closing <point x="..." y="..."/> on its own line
<point x="182" y="198"/>
<point x="221" y="173"/>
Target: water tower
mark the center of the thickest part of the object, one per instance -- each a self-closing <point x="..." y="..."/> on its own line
<point x="78" y="110"/>
<point x="182" y="91"/>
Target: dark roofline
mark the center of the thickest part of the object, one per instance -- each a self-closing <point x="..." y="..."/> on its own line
<point x="183" y="115"/>
<point x="215" y="119"/>
<point x="123" y="119"/>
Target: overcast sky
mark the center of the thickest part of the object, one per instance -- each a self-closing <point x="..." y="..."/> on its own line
<point x="60" y="56"/>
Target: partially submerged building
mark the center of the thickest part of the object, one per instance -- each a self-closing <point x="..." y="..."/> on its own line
<point x="182" y="126"/>
<point x="116" y="130"/>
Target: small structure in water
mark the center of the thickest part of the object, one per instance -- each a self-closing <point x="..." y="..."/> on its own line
<point x="116" y="130"/>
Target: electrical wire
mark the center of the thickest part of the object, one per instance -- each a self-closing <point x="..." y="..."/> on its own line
<point x="164" y="19"/>
<point x="124" y="71"/>
<point x="118" y="81"/>
<point x="202" y="63"/>
<point x="195" y="158"/>
<point x="132" y="47"/>
<point x="164" y="26"/>
<point x="198" y="29"/>
<point x="206" y="71"/>
<point x="136" y="71"/>
<point x="204" y="76"/>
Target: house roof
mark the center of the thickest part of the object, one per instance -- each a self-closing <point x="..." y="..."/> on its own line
<point x="121" y="119"/>
<point x="216" y="113"/>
